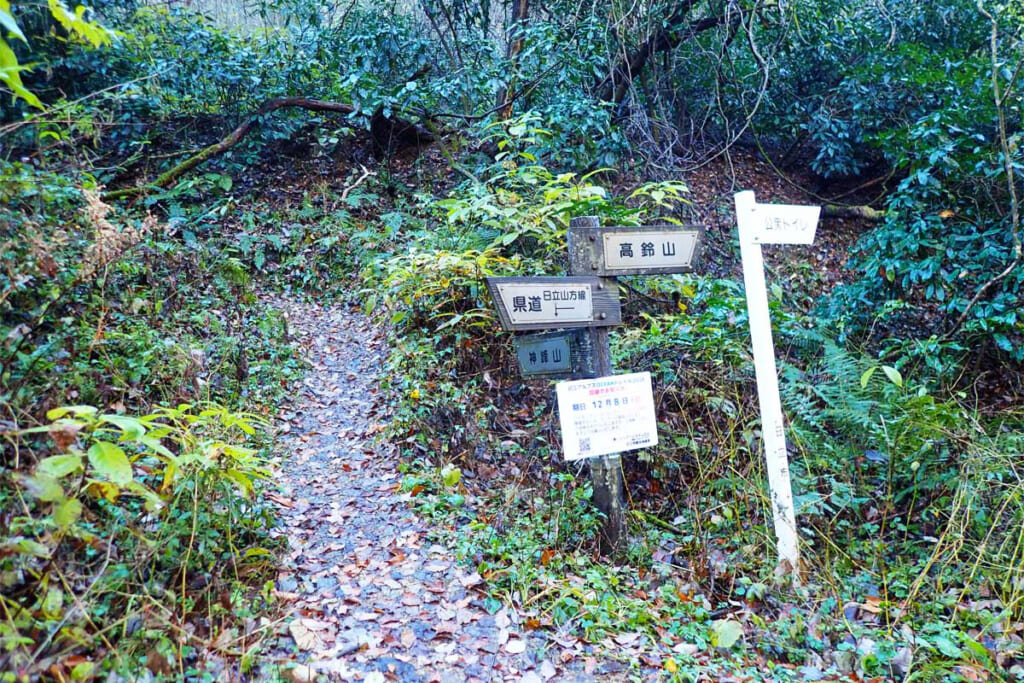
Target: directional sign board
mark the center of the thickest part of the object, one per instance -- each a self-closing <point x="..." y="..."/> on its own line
<point x="634" y="251"/>
<point x="537" y="303"/>
<point x="555" y="355"/>
<point x="784" y="224"/>
<point x="771" y="224"/>
<point x="606" y="415"/>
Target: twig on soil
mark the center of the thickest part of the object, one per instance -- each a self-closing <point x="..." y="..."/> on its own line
<point x="359" y="181"/>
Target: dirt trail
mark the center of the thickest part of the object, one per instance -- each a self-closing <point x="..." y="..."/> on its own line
<point x="372" y="598"/>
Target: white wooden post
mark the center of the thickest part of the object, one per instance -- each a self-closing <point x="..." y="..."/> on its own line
<point x="781" y="225"/>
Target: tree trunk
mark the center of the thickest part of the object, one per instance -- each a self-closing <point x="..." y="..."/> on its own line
<point x="614" y="86"/>
<point x="520" y="10"/>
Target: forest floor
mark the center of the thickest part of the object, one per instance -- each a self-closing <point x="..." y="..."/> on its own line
<point x="371" y="594"/>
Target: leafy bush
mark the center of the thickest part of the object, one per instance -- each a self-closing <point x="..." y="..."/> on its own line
<point x="157" y="508"/>
<point x="937" y="247"/>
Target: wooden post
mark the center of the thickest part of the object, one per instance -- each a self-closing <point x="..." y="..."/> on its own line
<point x="605" y="471"/>
<point x="773" y="432"/>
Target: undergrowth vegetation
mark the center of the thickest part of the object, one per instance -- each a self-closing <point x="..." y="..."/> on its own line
<point x="904" y="491"/>
<point x="140" y="363"/>
<point x="130" y="466"/>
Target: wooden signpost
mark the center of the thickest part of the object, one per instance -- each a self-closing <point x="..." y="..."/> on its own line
<point x="771" y="224"/>
<point x="610" y="413"/>
<point x="588" y="299"/>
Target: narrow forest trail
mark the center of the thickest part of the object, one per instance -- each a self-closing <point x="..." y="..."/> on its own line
<point x="371" y="597"/>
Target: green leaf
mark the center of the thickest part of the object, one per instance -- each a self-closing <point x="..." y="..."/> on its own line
<point x="53" y="604"/>
<point x="451" y="476"/>
<point x="893" y="374"/>
<point x="27" y="546"/>
<point x="725" y="633"/>
<point x="238" y="452"/>
<point x="44" y="488"/>
<point x="978" y="650"/>
<point x="8" y="22"/>
<point x="111" y="462"/>
<point x="75" y="23"/>
<point x="58" y="466"/>
<point x="245" y="427"/>
<point x="946" y="646"/>
<point x="58" y="413"/>
<point x="67" y="512"/>
<point x="866" y="377"/>
<point x="155" y="446"/>
<point x="130" y="426"/>
<point x="241" y="480"/>
<point x="154" y="503"/>
<point x="83" y="671"/>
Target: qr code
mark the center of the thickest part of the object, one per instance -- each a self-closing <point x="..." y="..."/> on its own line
<point x="585" y="445"/>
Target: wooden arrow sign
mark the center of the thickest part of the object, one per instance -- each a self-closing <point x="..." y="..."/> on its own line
<point x="539" y="303"/>
<point x="655" y="250"/>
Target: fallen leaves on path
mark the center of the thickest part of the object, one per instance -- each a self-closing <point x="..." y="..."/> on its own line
<point x="372" y="598"/>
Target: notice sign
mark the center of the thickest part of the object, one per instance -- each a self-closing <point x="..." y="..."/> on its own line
<point x="606" y="415"/>
<point x="784" y="224"/>
<point x="649" y="250"/>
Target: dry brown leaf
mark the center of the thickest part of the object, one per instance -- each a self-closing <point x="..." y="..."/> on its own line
<point x="872" y="604"/>
<point x="305" y="638"/>
<point x="223" y="639"/>
<point x="627" y="638"/>
<point x="471" y="580"/>
<point x="300" y="673"/>
<point x="446" y="628"/>
<point x="408" y="638"/>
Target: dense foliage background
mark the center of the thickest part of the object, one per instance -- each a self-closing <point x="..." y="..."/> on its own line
<point x="140" y="361"/>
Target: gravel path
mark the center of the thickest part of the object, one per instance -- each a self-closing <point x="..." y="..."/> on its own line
<point x="371" y="597"/>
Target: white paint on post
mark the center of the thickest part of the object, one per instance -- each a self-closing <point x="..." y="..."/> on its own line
<point x="763" y="224"/>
